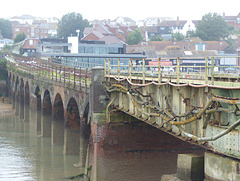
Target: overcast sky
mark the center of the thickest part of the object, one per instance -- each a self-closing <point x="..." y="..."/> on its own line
<point x="111" y="9"/>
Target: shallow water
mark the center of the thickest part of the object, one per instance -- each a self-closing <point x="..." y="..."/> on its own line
<point x="25" y="156"/>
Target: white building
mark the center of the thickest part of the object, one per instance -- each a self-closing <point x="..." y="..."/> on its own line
<point x="4" y="42"/>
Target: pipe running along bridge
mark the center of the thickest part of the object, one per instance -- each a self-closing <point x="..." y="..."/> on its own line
<point x="197" y="104"/>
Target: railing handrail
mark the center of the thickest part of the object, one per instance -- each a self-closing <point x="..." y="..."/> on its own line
<point x="207" y="71"/>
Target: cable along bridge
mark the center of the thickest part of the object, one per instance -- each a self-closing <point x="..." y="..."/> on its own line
<point x="200" y="107"/>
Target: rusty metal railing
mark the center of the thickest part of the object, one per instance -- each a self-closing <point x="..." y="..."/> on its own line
<point x="208" y="72"/>
<point x="71" y="77"/>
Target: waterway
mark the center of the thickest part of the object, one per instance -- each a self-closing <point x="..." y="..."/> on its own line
<point x="26" y="156"/>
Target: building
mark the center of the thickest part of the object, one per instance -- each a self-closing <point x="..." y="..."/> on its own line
<point x="84" y="53"/>
<point x="232" y="20"/>
<point x="31" y="31"/>
<point x="124" y="21"/>
<point x="192" y="47"/>
<point x="4" y="41"/>
<point x="168" y="27"/>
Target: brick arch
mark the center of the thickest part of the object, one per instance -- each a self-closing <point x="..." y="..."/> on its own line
<point x="46" y="114"/>
<point x="72" y="128"/>
<point x="58" y="120"/>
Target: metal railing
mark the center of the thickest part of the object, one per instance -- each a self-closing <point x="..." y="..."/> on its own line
<point x="207" y="73"/>
<point x="71" y="77"/>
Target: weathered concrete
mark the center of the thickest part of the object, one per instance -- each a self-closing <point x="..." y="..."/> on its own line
<point x="190" y="167"/>
<point x="219" y="168"/>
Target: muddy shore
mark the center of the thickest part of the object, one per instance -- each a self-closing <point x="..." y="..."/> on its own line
<point x="5" y="109"/>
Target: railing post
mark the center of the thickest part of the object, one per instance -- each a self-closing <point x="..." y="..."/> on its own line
<point x="212" y="71"/>
<point x="52" y="72"/>
<point x="60" y="73"/>
<point x="56" y="73"/>
<point x="130" y="69"/>
<point x="159" y="71"/>
<point x="105" y="67"/>
<point x="64" y="75"/>
<point x="69" y="74"/>
<point x="74" y="84"/>
<point x="80" y="77"/>
<point x="143" y="71"/>
<point x="118" y="68"/>
<point x="109" y="67"/>
<point x="206" y="70"/>
<point x="178" y="70"/>
<point x="86" y="80"/>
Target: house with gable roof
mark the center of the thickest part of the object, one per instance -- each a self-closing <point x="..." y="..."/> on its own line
<point x="108" y="33"/>
<point x="232" y="20"/>
<point x="124" y="21"/>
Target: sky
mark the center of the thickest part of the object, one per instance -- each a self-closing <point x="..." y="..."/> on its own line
<point x="110" y="9"/>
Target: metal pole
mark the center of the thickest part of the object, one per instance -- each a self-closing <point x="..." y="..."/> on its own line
<point x="105" y="67"/>
<point x="80" y="77"/>
<point x="56" y="73"/>
<point x="119" y="68"/>
<point x="109" y="67"/>
<point x="52" y="72"/>
<point x="64" y="75"/>
<point x="130" y="69"/>
<point x="144" y="71"/>
<point x="74" y="84"/>
<point x="60" y="74"/>
<point x="212" y="71"/>
<point x="206" y="70"/>
<point x="159" y="71"/>
<point x="86" y="81"/>
<point x="178" y="70"/>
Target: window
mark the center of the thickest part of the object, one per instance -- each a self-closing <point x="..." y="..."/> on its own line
<point x="30" y="42"/>
<point x="16" y="29"/>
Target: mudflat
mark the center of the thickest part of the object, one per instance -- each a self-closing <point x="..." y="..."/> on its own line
<point x="5" y="109"/>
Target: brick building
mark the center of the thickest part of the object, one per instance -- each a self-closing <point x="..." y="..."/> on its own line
<point x="31" y="31"/>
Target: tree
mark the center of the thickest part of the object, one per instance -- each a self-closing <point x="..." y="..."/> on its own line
<point x="156" y="38"/>
<point x="6" y="28"/>
<point x="20" y="37"/>
<point x="135" y="37"/>
<point x="212" y="27"/>
<point x="178" y="36"/>
<point x="71" y="22"/>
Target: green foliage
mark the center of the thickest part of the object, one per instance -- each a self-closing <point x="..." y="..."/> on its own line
<point x="71" y="22"/>
<point x="20" y="37"/>
<point x="3" y="69"/>
<point x="6" y="28"/>
<point x="178" y="36"/>
<point x="191" y="34"/>
<point x="212" y="27"/>
<point x="135" y="37"/>
<point x="156" y="38"/>
<point x="7" y="48"/>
